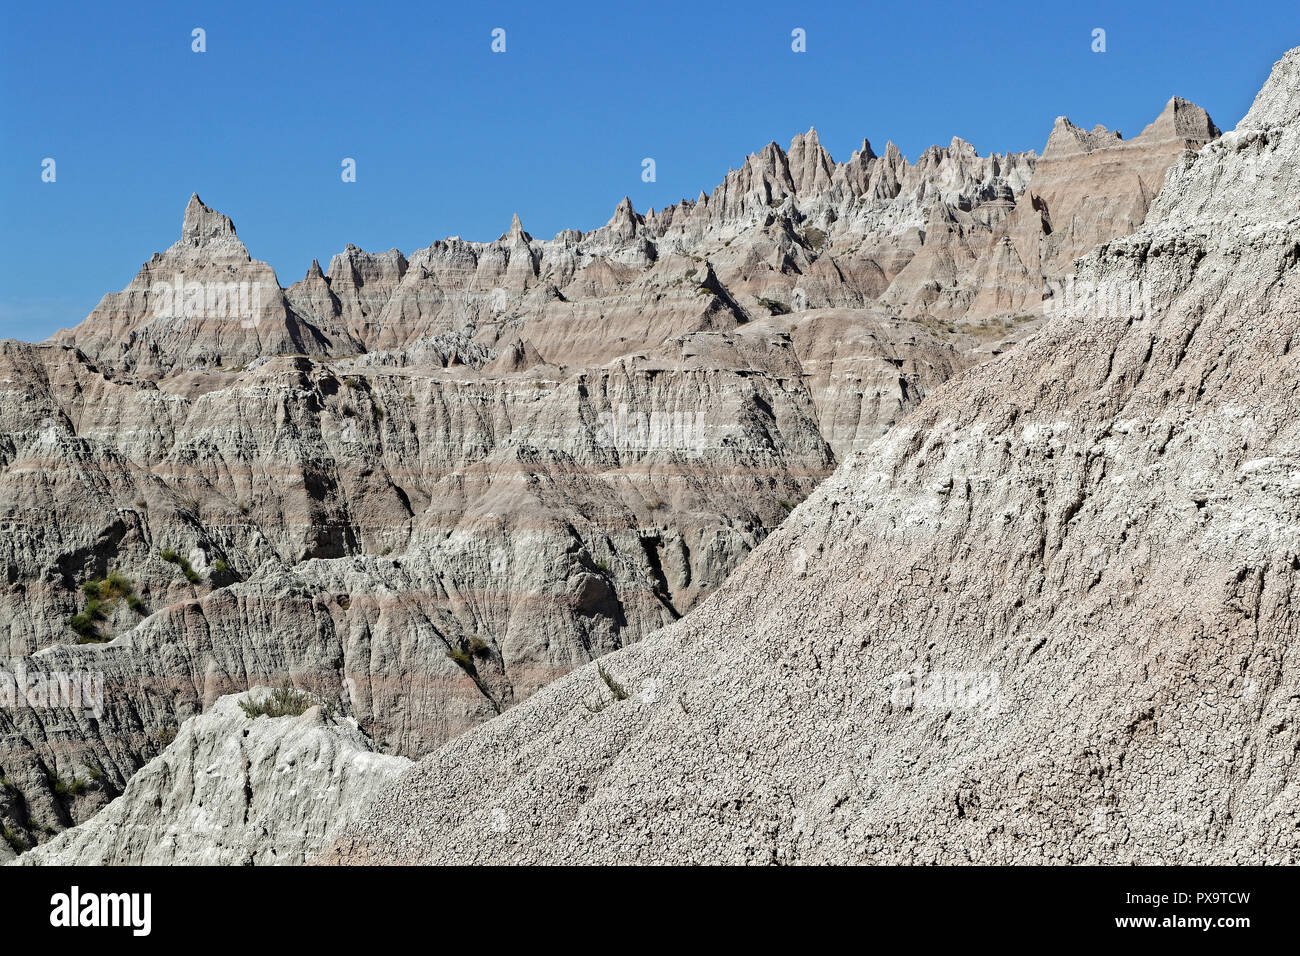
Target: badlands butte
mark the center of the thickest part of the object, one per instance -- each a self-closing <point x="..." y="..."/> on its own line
<point x="785" y="458"/>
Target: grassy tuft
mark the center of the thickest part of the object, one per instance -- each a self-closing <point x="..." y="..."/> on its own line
<point x="284" y="701"/>
<point x="614" y="686"/>
<point x="171" y="557"/>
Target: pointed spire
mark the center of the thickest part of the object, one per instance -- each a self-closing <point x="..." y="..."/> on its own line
<point x="625" y="221"/>
<point x="203" y="222"/>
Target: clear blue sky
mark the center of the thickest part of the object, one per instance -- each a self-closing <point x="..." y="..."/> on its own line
<point x="450" y="138"/>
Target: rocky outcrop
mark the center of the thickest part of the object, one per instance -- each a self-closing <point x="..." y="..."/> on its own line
<point x="953" y="237"/>
<point x="1048" y="617"/>
<point x="233" y="790"/>
<point x="203" y="302"/>
<point x="1096" y="186"/>
<point x="426" y="488"/>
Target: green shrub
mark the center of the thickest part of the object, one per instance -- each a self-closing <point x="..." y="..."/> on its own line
<point x="16" y="843"/>
<point x="774" y="307"/>
<point x="67" y="788"/>
<point x="614" y="686"/>
<point x="116" y="585"/>
<point x="284" y="701"/>
<point x="84" y="626"/>
<point x="171" y="557"/>
<point x="814" y="238"/>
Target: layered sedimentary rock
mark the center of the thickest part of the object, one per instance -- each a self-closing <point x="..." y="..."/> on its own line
<point x="952" y="236"/>
<point x="1049" y="617"/>
<point x="205" y="301"/>
<point x="234" y="790"/>
<point x="424" y="488"/>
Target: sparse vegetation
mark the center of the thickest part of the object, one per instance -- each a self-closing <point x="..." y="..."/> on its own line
<point x="814" y="238"/>
<point x="86" y="624"/>
<point x="65" y="789"/>
<point x="16" y="843"/>
<point x="464" y="653"/>
<point x="101" y="595"/>
<point x="614" y="686"/>
<point x="787" y="505"/>
<point x="284" y="701"/>
<point x="774" y="307"/>
<point x="171" y="557"/>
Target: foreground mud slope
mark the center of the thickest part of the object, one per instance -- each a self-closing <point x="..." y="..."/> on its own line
<point x="1099" y="533"/>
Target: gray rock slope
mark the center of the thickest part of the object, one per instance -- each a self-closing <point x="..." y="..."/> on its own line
<point x="234" y="790"/>
<point x="1052" y="616"/>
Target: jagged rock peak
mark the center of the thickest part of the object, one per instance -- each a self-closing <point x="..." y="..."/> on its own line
<point x="811" y="165"/>
<point x="1066" y="139"/>
<point x="1182" y="119"/>
<point x="624" y="216"/>
<point x="204" y="222"/>
<point x="517" y="229"/>
<point x="314" y="270"/>
<point x="1278" y="103"/>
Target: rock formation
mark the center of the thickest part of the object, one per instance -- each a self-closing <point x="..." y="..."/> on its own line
<point x="234" y="790"/>
<point x="424" y="488"/>
<point x="1048" y="617"/>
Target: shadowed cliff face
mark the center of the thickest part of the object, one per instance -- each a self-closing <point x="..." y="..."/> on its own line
<point x="426" y="488"/>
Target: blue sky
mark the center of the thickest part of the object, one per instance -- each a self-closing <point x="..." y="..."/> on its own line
<point x="450" y="138"/>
